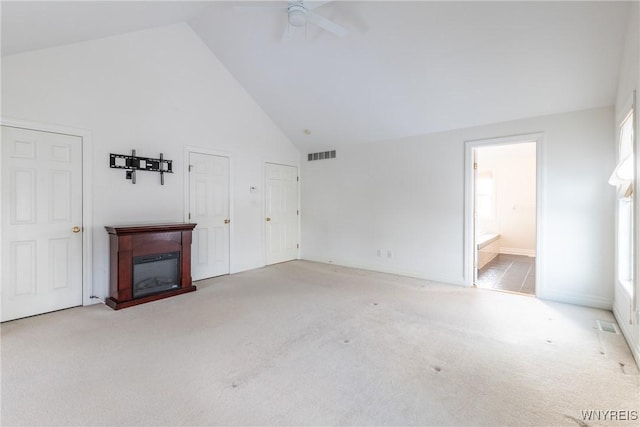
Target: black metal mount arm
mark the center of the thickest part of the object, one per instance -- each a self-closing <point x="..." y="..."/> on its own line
<point x="135" y="163"/>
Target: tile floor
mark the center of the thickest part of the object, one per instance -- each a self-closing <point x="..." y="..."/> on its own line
<point x="515" y="273"/>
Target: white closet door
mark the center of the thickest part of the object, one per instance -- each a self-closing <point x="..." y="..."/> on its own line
<point x="41" y="222"/>
<point x="281" y="208"/>
<point x="209" y="209"/>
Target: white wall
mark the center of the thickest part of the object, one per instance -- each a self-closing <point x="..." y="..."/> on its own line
<point x="630" y="81"/>
<point x="154" y="91"/>
<point x="407" y="196"/>
<point x="514" y="171"/>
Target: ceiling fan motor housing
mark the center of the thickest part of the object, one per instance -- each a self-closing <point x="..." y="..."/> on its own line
<point x="297" y="15"/>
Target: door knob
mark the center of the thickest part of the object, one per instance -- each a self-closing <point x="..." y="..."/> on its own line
<point x="227" y="221"/>
<point x="268" y="219"/>
<point x="76" y="229"/>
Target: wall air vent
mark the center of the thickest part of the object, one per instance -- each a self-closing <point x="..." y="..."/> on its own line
<point x="322" y="155"/>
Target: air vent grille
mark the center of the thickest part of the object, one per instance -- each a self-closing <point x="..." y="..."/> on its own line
<point x="322" y="155"/>
<point x="605" y="326"/>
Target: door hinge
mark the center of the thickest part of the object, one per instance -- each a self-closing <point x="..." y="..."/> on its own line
<point x="298" y="245"/>
<point x="190" y="168"/>
<point x="297" y="212"/>
<point x="298" y="178"/>
<point x="475" y="166"/>
<point x="189" y="215"/>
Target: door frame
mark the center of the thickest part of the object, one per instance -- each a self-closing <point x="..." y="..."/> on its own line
<point x="264" y="206"/>
<point x="469" y="200"/>
<point x="209" y="152"/>
<point x="87" y="194"/>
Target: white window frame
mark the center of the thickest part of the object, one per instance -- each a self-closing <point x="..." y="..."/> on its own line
<point x="627" y="284"/>
<point x="625" y="223"/>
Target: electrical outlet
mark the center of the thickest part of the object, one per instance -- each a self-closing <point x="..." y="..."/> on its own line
<point x="389" y="254"/>
<point x="379" y="252"/>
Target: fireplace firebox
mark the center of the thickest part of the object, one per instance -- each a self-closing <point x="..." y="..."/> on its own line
<point x="149" y="262"/>
<point x="155" y="273"/>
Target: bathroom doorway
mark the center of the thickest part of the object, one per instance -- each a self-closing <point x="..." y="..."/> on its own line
<point x="504" y="217"/>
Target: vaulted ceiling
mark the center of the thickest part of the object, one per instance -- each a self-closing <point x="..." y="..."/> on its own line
<point x="405" y="68"/>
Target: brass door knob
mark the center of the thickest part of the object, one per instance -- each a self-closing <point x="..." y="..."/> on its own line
<point x="76" y="229"/>
<point x="227" y="221"/>
<point x="268" y="219"/>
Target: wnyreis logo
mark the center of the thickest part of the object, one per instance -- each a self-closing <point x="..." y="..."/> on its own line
<point x="609" y="415"/>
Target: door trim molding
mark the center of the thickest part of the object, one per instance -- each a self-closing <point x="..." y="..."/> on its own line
<point x="87" y="193"/>
<point x="220" y="153"/>
<point x="469" y="146"/>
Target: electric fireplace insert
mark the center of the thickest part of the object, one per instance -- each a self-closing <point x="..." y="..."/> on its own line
<point x="155" y="273"/>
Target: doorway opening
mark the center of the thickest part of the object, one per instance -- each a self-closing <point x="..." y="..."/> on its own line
<point x="505" y="216"/>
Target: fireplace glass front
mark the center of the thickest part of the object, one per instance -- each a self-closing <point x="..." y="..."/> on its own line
<point x="153" y="274"/>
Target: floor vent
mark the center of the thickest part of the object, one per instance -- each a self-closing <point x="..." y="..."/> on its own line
<point x="605" y="326"/>
<point x="322" y="155"/>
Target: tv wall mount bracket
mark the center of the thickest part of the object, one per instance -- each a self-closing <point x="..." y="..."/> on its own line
<point x="133" y="163"/>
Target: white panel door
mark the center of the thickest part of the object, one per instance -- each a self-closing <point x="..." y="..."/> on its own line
<point x="281" y="208"/>
<point x="41" y="222"/>
<point x="209" y="209"/>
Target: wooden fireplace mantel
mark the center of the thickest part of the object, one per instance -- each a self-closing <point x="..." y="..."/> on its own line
<point x="129" y="241"/>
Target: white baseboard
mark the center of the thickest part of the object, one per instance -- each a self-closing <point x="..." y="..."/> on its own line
<point x="517" y="251"/>
<point x="632" y="341"/>
<point x="574" y="299"/>
<point x="386" y="269"/>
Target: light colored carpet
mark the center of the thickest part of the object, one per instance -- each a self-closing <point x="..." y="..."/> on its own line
<point x="304" y="343"/>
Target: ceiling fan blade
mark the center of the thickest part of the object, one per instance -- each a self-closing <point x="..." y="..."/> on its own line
<point x="328" y="25"/>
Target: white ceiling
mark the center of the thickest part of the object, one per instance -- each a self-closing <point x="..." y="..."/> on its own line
<point x="406" y="68"/>
<point x="29" y="25"/>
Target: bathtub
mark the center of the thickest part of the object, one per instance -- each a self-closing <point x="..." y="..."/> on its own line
<point x="488" y="246"/>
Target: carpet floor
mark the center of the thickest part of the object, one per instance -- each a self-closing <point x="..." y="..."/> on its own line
<point x="303" y="343"/>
